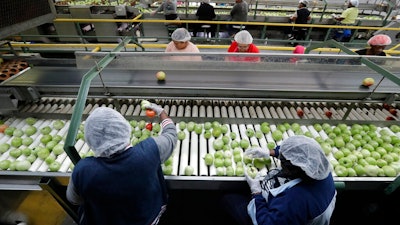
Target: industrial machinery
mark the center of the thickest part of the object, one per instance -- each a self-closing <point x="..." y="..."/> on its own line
<point x="219" y="88"/>
<point x="378" y="13"/>
<point x="283" y="90"/>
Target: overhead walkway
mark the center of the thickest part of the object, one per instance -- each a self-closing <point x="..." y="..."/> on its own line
<point x="152" y="35"/>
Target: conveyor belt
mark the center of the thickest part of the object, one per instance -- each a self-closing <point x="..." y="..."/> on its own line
<point x="241" y="95"/>
<point x="223" y="110"/>
<point x="293" y="82"/>
<point x="192" y="149"/>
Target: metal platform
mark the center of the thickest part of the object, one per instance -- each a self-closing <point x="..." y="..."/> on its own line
<point x="240" y="94"/>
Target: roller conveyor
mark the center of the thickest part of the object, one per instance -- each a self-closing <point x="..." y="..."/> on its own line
<point x="201" y="110"/>
<point x="241" y="95"/>
<point x="192" y="149"/>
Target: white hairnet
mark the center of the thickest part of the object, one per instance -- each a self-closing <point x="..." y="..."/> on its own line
<point x="107" y="132"/>
<point x="307" y="154"/>
<point x="304" y="2"/>
<point x="243" y="37"/>
<point x="181" y="34"/>
<point x="354" y="3"/>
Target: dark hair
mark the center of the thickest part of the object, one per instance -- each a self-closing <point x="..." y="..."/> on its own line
<point x="291" y="171"/>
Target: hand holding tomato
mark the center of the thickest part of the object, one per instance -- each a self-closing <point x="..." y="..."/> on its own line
<point x="153" y="107"/>
<point x="150" y="113"/>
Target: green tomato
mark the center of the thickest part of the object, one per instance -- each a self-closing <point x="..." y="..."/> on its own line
<point x="18" y="133"/>
<point x="142" y="124"/>
<point x="46" y="138"/>
<point x="27" y="141"/>
<point x="224" y="128"/>
<point x="57" y="138"/>
<point x="58" y="124"/>
<point x="50" y="159"/>
<point x="207" y="125"/>
<point x="216" y="132"/>
<point x="30" y="120"/>
<point x="30" y="130"/>
<point x="250" y="132"/>
<point x="277" y="135"/>
<point x="244" y="143"/>
<point x="5" y="164"/>
<point x="45" y="130"/>
<point x="23" y="165"/>
<point x="144" y="104"/>
<point x="4" y="147"/>
<point x="239" y="171"/>
<point x="190" y="126"/>
<point x="182" y="125"/>
<point x="156" y="128"/>
<point x="264" y="127"/>
<point x="169" y="161"/>
<point x="26" y="151"/>
<point x="58" y="149"/>
<point x="189" y="170"/>
<point x="50" y="145"/>
<point x="208" y="159"/>
<point x="16" y="142"/>
<point x="9" y="131"/>
<point x="198" y="128"/>
<point x="54" y="166"/>
<point x="167" y="169"/>
<point x="181" y="135"/>
<point x="42" y="152"/>
<point x="230" y="171"/>
<point x="15" y="153"/>
<point x="220" y="171"/>
<point x="259" y="134"/>
<point x="133" y="123"/>
<point x="207" y="134"/>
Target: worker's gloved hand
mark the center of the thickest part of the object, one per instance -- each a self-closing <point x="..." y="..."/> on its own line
<point x="156" y="108"/>
<point x="253" y="178"/>
<point x="257" y="153"/>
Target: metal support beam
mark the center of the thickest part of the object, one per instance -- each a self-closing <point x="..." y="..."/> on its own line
<point x="76" y="118"/>
<point x="59" y="194"/>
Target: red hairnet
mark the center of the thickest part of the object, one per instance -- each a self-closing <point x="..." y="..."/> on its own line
<point x="299" y="49"/>
<point x="380" y="39"/>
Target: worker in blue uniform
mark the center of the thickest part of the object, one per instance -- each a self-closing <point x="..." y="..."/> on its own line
<point x="301" y="192"/>
<point x="121" y="184"/>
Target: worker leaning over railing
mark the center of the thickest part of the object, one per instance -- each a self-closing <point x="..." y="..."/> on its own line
<point x="121" y="184"/>
<point x="301" y="192"/>
<point x="377" y="44"/>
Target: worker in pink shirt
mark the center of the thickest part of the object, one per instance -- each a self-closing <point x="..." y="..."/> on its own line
<point x="181" y="43"/>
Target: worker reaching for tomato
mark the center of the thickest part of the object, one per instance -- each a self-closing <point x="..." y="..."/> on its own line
<point x="115" y="186"/>
<point x="300" y="191"/>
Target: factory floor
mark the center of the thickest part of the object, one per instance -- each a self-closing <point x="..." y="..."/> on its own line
<point x="202" y="207"/>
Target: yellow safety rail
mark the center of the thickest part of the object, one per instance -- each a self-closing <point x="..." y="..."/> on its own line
<point x="391" y="51"/>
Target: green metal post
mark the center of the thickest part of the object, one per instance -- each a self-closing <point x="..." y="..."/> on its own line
<point x="76" y="118"/>
<point x="264" y="30"/>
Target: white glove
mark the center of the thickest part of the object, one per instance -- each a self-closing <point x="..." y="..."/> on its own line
<point x="257" y="153"/>
<point x="156" y="108"/>
<point x="253" y="181"/>
<point x="333" y="15"/>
